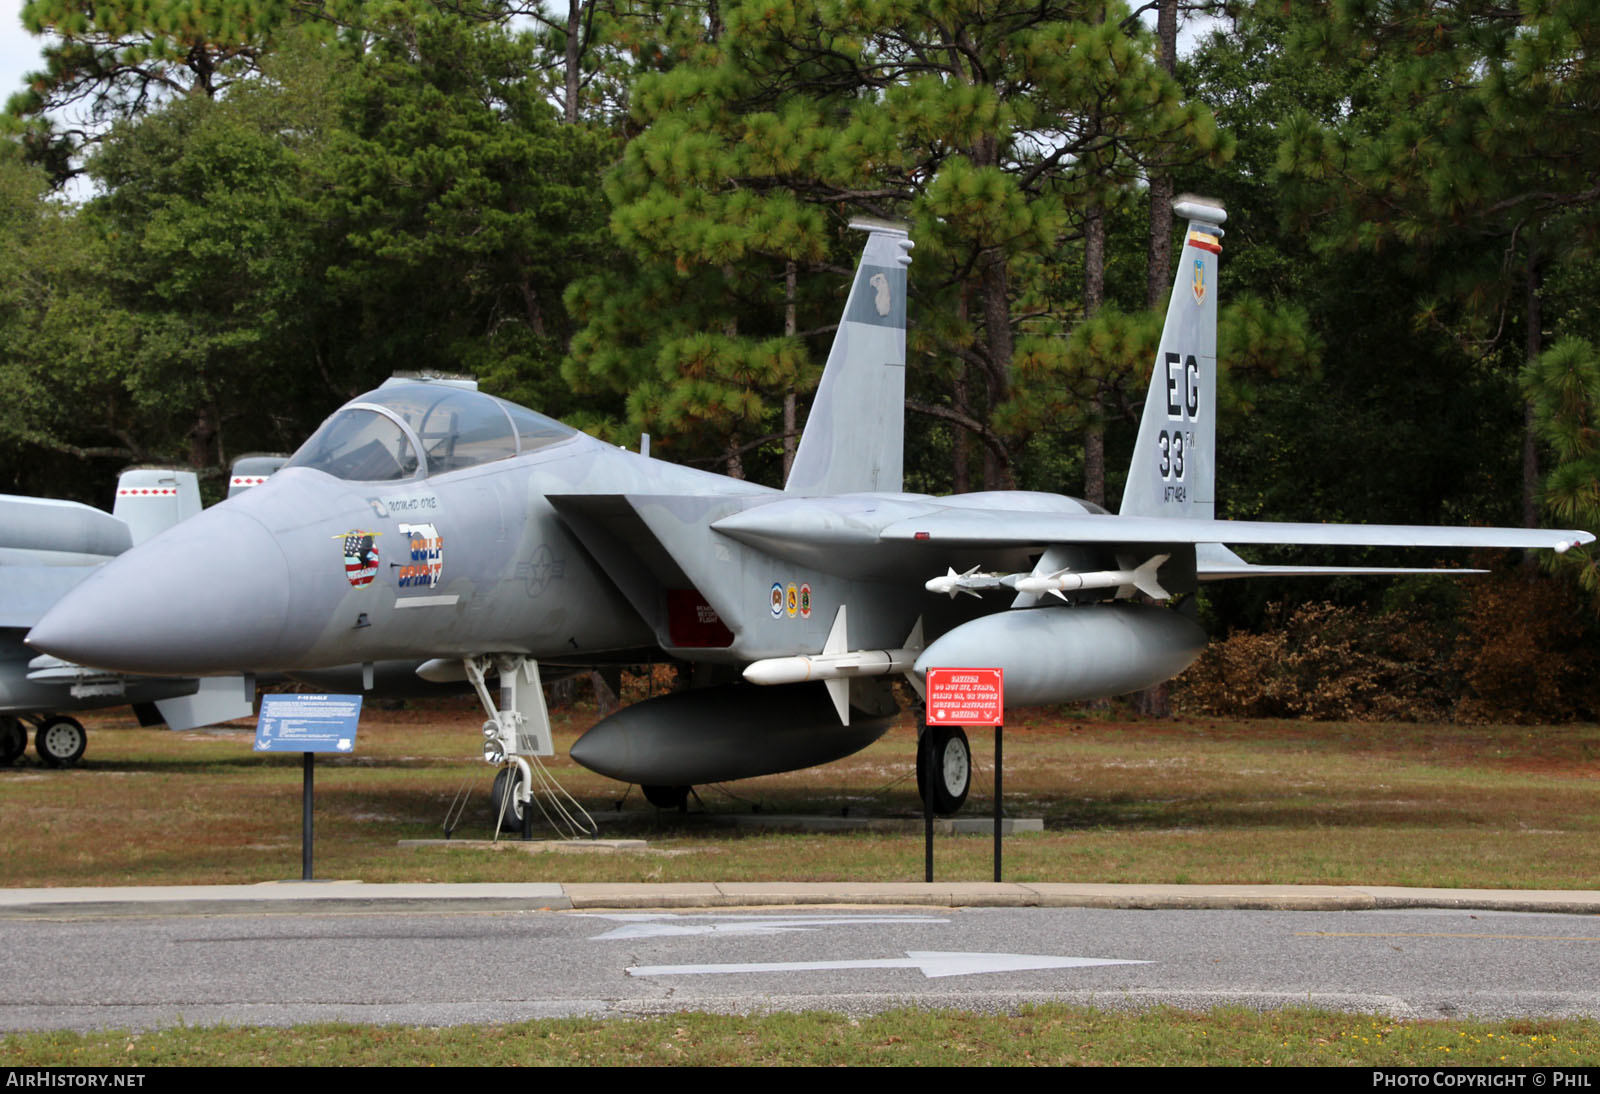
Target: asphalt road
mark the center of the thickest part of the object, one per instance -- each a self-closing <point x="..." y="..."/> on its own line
<point x="64" y="970"/>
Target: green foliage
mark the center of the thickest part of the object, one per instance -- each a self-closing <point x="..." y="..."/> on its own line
<point x="458" y="206"/>
<point x="402" y="199"/>
<point x="991" y="129"/>
<point x="1563" y="386"/>
<point x="114" y="61"/>
<point x="60" y="341"/>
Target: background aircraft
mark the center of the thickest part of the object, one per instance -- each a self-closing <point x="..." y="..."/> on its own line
<point x="423" y="522"/>
<point x="48" y="547"/>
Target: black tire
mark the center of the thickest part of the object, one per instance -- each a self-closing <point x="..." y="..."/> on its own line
<point x="13" y="740"/>
<point x="60" y="741"/>
<point x="667" y="797"/>
<point x="952" y="766"/>
<point x="503" y="803"/>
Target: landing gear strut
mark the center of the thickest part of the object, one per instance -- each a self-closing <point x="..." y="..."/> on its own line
<point x="516" y="735"/>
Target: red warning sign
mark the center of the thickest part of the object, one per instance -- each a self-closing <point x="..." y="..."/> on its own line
<point x="966" y="697"/>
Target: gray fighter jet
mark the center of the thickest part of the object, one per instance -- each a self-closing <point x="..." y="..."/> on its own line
<point x="426" y="523"/>
<point x="48" y="547"/>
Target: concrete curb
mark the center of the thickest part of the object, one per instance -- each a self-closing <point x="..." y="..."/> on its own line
<point x="349" y="897"/>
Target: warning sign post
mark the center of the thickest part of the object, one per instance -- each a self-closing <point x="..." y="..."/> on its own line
<point x="965" y="697"/>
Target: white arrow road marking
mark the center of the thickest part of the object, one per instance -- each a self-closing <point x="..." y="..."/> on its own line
<point x="933" y="963"/>
<point x="646" y="925"/>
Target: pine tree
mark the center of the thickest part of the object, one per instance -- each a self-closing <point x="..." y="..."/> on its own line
<point x="994" y="129"/>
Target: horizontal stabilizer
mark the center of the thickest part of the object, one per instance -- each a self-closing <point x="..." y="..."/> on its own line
<point x="218" y="699"/>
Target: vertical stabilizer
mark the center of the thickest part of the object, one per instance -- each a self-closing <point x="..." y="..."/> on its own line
<point x="153" y="499"/>
<point x="1174" y="460"/>
<point x="854" y="438"/>
<point x="250" y="471"/>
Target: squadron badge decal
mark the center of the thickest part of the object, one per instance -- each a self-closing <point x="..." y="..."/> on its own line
<point x="360" y="556"/>
<point x="426" y="565"/>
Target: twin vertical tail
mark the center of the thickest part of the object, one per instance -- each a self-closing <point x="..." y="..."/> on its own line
<point x="854" y="439"/>
<point x="1174" y="459"/>
<point x="153" y="499"/>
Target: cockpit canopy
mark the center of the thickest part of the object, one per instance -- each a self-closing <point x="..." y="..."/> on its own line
<point x="401" y="431"/>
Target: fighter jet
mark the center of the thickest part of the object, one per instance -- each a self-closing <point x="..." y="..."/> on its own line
<point x="49" y="546"/>
<point x="431" y="524"/>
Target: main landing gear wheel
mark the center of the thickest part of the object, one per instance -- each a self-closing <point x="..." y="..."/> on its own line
<point x="60" y="741"/>
<point x="667" y="797"/>
<point x="13" y="740"/>
<point x="503" y="802"/>
<point x="952" y="767"/>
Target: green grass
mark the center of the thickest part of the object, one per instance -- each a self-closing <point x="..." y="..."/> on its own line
<point x="1188" y="800"/>
<point x="1043" y="1035"/>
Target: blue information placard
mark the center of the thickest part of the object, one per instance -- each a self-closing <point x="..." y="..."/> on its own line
<point x="308" y="723"/>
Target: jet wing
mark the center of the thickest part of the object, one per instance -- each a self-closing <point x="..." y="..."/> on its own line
<point x="958" y="527"/>
<point x="881" y="534"/>
<point x="30" y="591"/>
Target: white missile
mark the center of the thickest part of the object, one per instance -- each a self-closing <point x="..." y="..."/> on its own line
<point x="1058" y="582"/>
<point x="1062" y="582"/>
<point x="830" y="666"/>
<point x="836" y="664"/>
<point x="971" y="582"/>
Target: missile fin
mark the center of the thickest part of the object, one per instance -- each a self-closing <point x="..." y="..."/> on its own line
<point x="838" y="687"/>
<point x="839" y="692"/>
<point x="916" y="643"/>
<point x="1145" y="578"/>
<point x="838" y="638"/>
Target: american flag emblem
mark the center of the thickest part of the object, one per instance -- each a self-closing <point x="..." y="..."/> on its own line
<point x="360" y="557"/>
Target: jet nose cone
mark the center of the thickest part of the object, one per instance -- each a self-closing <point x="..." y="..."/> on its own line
<point x="209" y="595"/>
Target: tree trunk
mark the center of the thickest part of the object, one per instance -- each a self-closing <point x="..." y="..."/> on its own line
<point x="574" y="57"/>
<point x="1158" y="264"/>
<point x="789" y="440"/>
<point x="961" y="446"/>
<point x="203" y="437"/>
<point x="1530" y="444"/>
<point x="996" y="290"/>
<point x="1094" y="292"/>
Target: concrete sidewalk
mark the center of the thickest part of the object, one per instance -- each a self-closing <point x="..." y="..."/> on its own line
<point x="288" y="897"/>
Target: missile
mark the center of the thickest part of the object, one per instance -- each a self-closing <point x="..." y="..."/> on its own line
<point x="971" y="582"/>
<point x="837" y="660"/>
<point x="1062" y="582"/>
<point x="837" y="664"/>
<point x="1058" y="582"/>
<point x="829" y="666"/>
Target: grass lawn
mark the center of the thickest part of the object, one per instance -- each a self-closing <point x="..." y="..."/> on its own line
<point x="1169" y="801"/>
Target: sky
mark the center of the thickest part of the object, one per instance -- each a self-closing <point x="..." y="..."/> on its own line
<point x="19" y="50"/>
